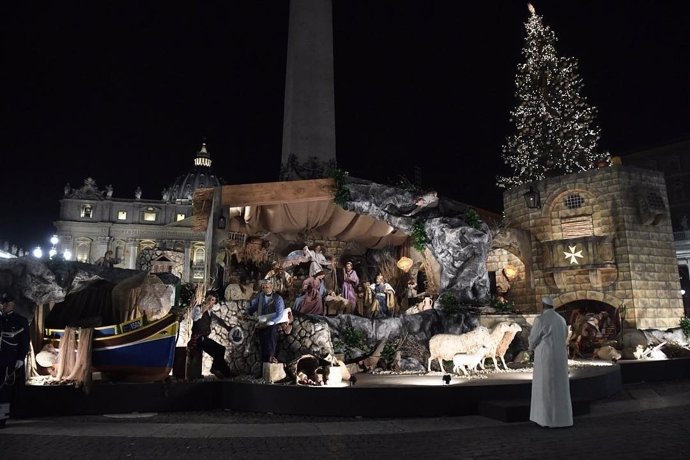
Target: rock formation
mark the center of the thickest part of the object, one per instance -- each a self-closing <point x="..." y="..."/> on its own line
<point x="459" y="248"/>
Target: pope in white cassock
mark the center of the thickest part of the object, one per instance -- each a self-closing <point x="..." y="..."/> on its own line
<point x="551" y="406"/>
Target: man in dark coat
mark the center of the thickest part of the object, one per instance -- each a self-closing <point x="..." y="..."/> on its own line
<point x="200" y="341"/>
<point x="14" y="345"/>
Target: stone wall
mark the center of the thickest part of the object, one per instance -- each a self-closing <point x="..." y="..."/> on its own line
<point x="605" y="235"/>
<point x="309" y="335"/>
<point x="517" y="289"/>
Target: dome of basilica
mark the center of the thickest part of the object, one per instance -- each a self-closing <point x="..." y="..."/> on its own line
<point x="200" y="176"/>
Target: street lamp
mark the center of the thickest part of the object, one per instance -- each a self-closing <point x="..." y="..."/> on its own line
<point x="54" y="240"/>
<point x="37" y="252"/>
<point x="67" y="254"/>
<point x="532" y="198"/>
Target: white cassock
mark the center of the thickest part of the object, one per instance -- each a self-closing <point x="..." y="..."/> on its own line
<point x="551" y="405"/>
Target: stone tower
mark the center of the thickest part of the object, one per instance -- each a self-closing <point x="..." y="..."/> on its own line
<point x="309" y="111"/>
<point x="598" y="240"/>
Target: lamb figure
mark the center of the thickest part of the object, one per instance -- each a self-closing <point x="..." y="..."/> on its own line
<point x="468" y="361"/>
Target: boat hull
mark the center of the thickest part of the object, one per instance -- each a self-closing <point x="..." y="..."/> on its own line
<point x="132" y="351"/>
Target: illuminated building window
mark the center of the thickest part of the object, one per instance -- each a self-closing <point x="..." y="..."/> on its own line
<point x="198" y="259"/>
<point x="122" y="215"/>
<point x="180" y="217"/>
<point x="150" y="215"/>
<point x="83" y="252"/>
<point x="146" y="244"/>
<point x="199" y="256"/>
<point x="86" y="211"/>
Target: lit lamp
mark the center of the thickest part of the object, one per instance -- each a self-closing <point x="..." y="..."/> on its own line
<point x="67" y="254"/>
<point x="37" y="252"/>
<point x="510" y="272"/>
<point x="53" y="249"/>
<point x="532" y="198"/>
<point x="404" y="264"/>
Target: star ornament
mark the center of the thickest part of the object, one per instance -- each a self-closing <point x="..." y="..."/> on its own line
<point x="572" y="255"/>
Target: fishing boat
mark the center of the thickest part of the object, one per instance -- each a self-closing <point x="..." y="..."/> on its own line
<point x="135" y="350"/>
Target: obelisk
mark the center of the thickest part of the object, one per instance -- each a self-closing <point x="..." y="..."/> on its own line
<point x="309" y="111"/>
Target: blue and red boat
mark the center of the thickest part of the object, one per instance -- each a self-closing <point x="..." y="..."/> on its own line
<point x="136" y="350"/>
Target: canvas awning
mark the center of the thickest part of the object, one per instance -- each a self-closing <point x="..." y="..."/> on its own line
<point x="291" y="207"/>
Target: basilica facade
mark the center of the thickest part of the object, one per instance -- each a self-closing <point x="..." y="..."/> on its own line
<point x="143" y="234"/>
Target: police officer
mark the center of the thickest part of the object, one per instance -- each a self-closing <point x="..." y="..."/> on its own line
<point x="14" y="345"/>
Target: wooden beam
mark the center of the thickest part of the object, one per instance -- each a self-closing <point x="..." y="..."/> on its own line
<point x="201" y="207"/>
<point x="296" y="191"/>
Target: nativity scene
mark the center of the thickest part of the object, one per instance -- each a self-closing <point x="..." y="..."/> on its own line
<point x="331" y="281"/>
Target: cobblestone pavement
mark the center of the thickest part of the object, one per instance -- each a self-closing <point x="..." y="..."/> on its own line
<point x="645" y="420"/>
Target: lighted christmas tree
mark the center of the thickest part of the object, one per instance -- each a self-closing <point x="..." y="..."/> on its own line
<point x="555" y="128"/>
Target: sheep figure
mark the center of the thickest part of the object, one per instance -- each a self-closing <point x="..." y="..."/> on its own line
<point x="468" y="361"/>
<point x="445" y="346"/>
<point x="607" y="353"/>
<point x="505" y="342"/>
<point x="495" y="338"/>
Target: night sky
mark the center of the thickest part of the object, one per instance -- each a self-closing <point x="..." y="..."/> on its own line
<point x="124" y="92"/>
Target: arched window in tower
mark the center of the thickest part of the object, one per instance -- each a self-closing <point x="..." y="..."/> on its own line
<point x="572" y="215"/>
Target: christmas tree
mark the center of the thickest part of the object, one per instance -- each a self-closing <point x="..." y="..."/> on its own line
<point x="555" y="130"/>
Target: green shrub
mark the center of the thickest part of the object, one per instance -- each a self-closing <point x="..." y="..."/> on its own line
<point x="341" y="194"/>
<point x="685" y="326"/>
<point x="350" y="339"/>
<point x="472" y="219"/>
<point x="501" y="304"/>
<point x="419" y="236"/>
<point x="388" y="352"/>
<point x="452" y="306"/>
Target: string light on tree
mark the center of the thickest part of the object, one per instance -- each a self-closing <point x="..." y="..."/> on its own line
<point x="555" y="128"/>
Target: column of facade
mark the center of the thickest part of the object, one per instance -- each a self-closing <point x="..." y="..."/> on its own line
<point x="101" y="244"/>
<point x="66" y="243"/>
<point x="130" y="255"/>
<point x="187" y="266"/>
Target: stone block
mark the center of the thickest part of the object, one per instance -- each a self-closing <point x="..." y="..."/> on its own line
<point x="353" y="369"/>
<point x="335" y="375"/>
<point x="273" y="372"/>
<point x="595" y="295"/>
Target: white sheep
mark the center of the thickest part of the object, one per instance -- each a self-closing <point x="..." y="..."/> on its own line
<point x="445" y="346"/>
<point x="468" y="361"/>
<point x="607" y="353"/>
